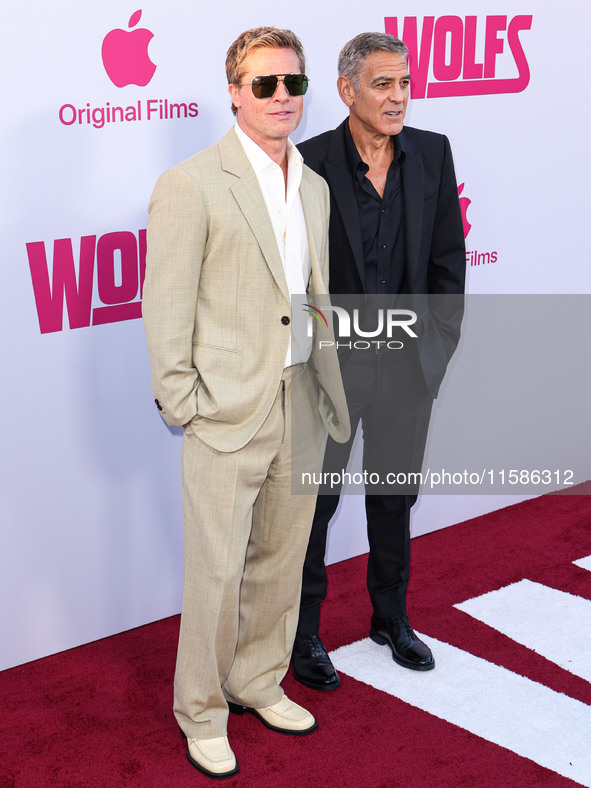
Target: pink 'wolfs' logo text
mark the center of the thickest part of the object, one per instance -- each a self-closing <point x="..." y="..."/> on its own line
<point x="449" y="45"/>
<point x="125" y="55"/>
<point x="113" y="265"/>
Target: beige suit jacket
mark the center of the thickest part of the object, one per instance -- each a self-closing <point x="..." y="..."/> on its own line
<point x="216" y="303"/>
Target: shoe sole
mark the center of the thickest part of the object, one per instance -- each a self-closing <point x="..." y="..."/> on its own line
<point x="404" y="663"/>
<point x="203" y="770"/>
<point x="322" y="687"/>
<point x="236" y="709"/>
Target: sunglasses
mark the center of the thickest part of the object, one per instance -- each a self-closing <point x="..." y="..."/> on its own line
<point x="265" y="87"/>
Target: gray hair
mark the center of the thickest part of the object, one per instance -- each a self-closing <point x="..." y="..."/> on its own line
<point x="355" y="51"/>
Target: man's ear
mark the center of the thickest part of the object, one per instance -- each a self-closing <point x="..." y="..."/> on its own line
<point x="346" y="90"/>
<point x="234" y="92"/>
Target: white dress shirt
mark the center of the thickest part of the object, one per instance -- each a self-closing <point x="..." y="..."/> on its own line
<point x="287" y="218"/>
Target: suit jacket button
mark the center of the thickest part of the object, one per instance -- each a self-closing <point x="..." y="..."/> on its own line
<point x="285" y="320"/>
<point x="158" y="405"/>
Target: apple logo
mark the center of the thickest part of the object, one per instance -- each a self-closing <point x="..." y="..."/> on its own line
<point x="125" y="55"/>
<point x="464" y="203"/>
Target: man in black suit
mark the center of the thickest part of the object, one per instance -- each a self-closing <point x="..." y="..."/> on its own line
<point x="396" y="237"/>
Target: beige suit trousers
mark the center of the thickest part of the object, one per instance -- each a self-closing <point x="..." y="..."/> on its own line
<point x="246" y="536"/>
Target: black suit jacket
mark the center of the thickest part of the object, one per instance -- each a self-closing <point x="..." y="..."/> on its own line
<point x="435" y="250"/>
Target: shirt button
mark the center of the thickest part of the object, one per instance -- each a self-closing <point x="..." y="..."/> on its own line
<point x="383" y="246"/>
<point x="285" y="320"/>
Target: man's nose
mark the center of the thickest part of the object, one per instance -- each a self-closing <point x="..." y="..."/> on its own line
<point x="281" y="92"/>
<point x="396" y="94"/>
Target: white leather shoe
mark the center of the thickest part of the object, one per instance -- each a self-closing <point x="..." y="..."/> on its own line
<point x="283" y="717"/>
<point x="213" y="757"/>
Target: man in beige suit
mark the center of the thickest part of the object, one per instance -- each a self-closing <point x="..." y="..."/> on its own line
<point x="233" y="233"/>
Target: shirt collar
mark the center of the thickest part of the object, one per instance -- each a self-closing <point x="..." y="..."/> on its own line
<point x="261" y="160"/>
<point x="355" y="160"/>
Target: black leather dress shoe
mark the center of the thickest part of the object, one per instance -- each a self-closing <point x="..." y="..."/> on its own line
<point x="407" y="649"/>
<point x="311" y="664"/>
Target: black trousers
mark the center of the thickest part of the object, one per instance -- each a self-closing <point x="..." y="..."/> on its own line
<point x="387" y="393"/>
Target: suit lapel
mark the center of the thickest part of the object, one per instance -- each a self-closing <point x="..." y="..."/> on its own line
<point x="341" y="183"/>
<point x="342" y="188"/>
<point x="413" y="194"/>
<point x="316" y="231"/>
<point x="249" y="197"/>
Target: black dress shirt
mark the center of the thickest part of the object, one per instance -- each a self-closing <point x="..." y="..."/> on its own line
<point x="381" y="220"/>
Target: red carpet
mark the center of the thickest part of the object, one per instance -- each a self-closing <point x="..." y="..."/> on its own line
<point x="100" y="715"/>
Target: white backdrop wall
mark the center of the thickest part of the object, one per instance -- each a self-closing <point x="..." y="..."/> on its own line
<point x="90" y="485"/>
